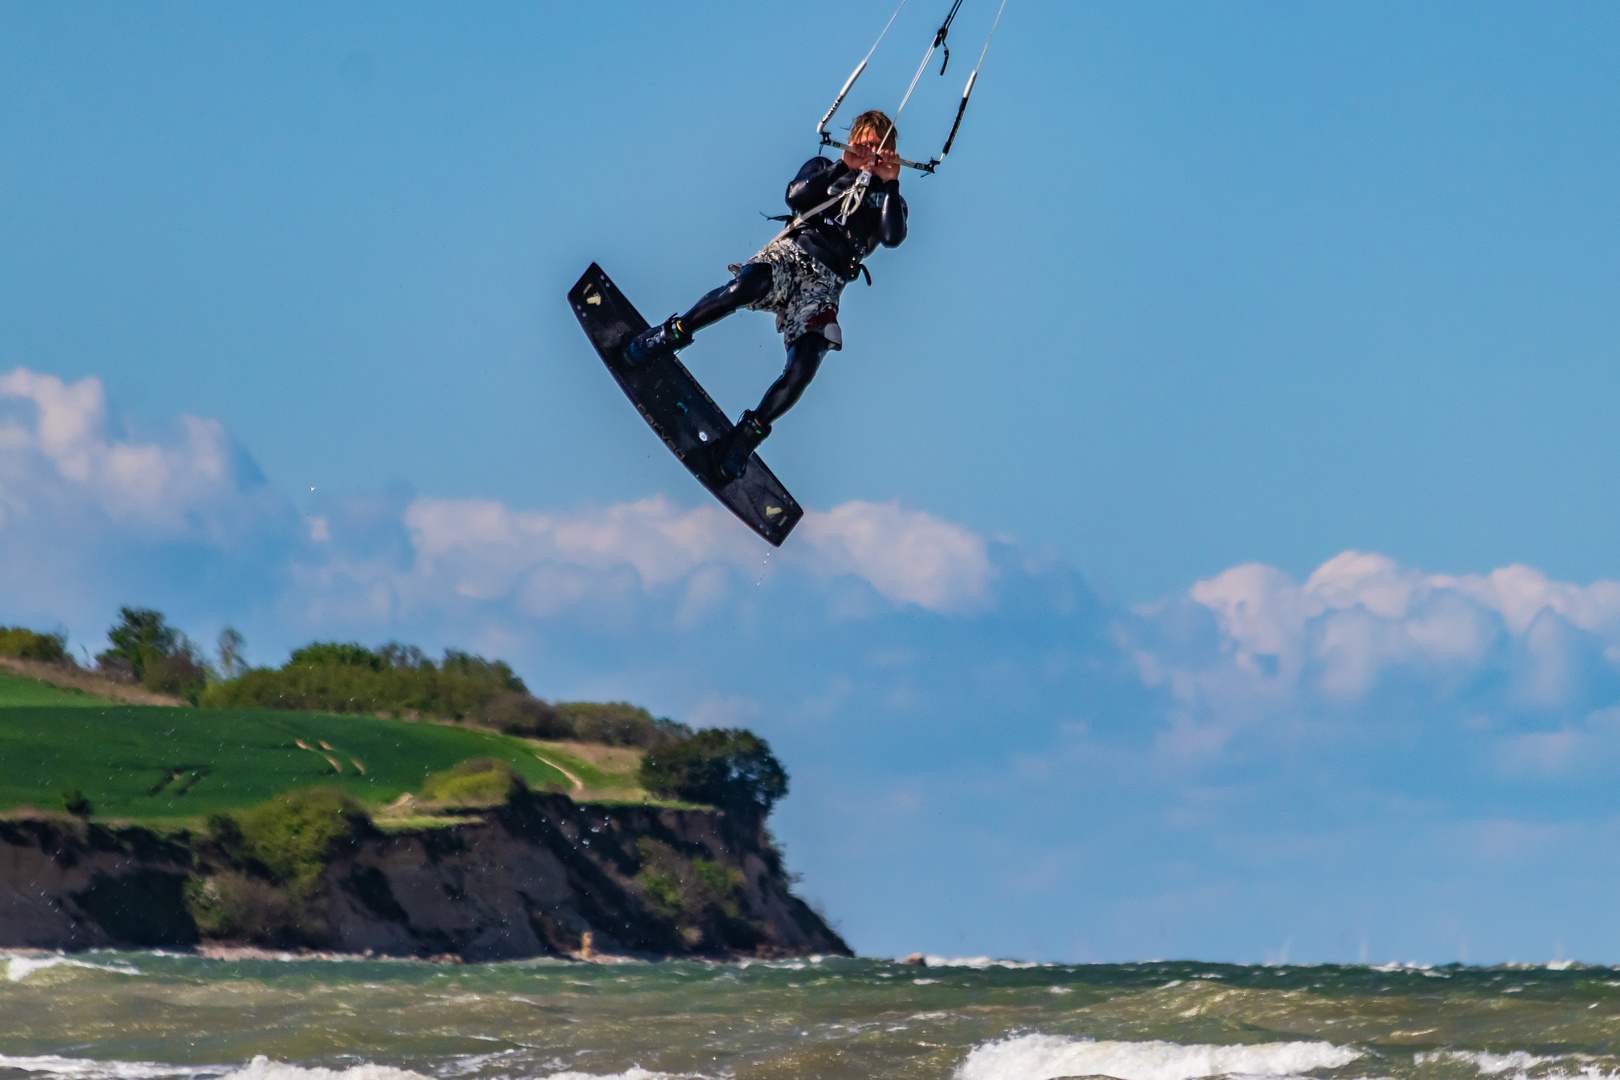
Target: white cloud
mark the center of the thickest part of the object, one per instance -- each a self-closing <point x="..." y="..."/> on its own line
<point x="58" y="452"/>
<point x="547" y="563"/>
<point x="92" y="517"/>
<point x="1361" y="620"/>
<point x="909" y="556"/>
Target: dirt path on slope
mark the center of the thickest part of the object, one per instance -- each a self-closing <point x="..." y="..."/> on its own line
<point x="579" y="785"/>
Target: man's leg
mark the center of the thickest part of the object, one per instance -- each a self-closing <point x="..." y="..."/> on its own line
<point x="752" y="283"/>
<point x="803" y="361"/>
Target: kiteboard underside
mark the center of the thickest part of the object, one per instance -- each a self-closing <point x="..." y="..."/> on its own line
<point x="679" y="410"/>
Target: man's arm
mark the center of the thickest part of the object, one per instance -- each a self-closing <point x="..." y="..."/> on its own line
<point x="810" y="186"/>
<point x="892" y="216"/>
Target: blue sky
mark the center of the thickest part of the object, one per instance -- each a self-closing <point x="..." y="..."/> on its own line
<point x="1212" y="525"/>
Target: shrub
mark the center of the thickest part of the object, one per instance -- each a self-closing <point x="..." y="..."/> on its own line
<point x="22" y="642"/>
<point x="295" y="835"/>
<point x="694" y="893"/>
<point x="726" y="767"/>
<point x="722" y="889"/>
<point x="663" y="891"/>
<point x="519" y="714"/>
<point x="481" y="781"/>
<point x="234" y="905"/>
<point x="723" y="882"/>
<point x="618" y="723"/>
<point x="179" y="673"/>
<point x="348" y="677"/>
<point x="74" y="802"/>
<point x="476" y="668"/>
<point x="336" y="654"/>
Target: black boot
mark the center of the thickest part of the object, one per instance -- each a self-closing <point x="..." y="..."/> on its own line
<point x="657" y="341"/>
<point x="731" y="453"/>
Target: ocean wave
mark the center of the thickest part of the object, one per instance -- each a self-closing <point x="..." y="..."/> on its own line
<point x="1520" y="1064"/>
<point x="979" y="962"/>
<point x="19" y="968"/>
<point x="635" y="1072"/>
<point x="89" y="1069"/>
<point x="262" y="1068"/>
<point x="1042" y="1057"/>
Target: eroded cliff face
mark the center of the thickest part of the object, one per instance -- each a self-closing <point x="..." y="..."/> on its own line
<point x="532" y="878"/>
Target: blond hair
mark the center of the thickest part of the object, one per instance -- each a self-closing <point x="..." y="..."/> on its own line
<point x="875" y="122"/>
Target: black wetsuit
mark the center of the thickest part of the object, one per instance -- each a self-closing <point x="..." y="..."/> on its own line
<point x="881" y="219"/>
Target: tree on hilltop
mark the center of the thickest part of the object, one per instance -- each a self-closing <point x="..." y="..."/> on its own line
<point x="157" y="655"/>
<point x="731" y="768"/>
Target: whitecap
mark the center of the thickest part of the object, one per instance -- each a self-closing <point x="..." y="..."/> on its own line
<point x="262" y="1068"/>
<point x="1042" y="1057"/>
<point x="1518" y="1063"/>
<point x="19" y="968"/>
<point x="90" y="1069"/>
<point x="979" y="962"/>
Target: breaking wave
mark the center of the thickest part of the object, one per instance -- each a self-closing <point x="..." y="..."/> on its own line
<point x="19" y="968"/>
<point x="262" y="1068"/>
<point x="1043" y="1057"/>
<point x="1521" y="1065"/>
<point x="978" y="963"/>
<point x="88" y="1069"/>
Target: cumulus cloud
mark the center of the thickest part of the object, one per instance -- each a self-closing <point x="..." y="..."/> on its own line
<point x="88" y="509"/>
<point x="909" y="557"/>
<point x="58" y="450"/>
<point x="1361" y="624"/>
<point x="544" y="564"/>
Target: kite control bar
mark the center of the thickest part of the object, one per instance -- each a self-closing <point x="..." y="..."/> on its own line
<point x="920" y="166"/>
<point x="939" y="42"/>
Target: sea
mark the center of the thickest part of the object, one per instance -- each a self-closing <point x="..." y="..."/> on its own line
<point x="157" y="1015"/>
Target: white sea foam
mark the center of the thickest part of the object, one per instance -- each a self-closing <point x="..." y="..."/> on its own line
<point x="88" y="1069"/>
<point x="1518" y="1064"/>
<point x="262" y="1068"/>
<point x="1041" y="1057"/>
<point x="980" y="962"/>
<point x="19" y="968"/>
<point x="632" y="1073"/>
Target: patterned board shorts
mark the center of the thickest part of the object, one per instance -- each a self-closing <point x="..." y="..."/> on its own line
<point x="804" y="293"/>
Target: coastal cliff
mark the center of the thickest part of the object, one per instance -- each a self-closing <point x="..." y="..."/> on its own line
<point x="540" y="876"/>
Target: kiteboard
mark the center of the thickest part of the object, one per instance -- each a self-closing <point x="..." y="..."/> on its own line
<point x="679" y="410"/>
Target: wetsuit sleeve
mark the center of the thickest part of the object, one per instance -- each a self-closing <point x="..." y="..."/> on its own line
<point x="892" y="218"/>
<point x="810" y="186"/>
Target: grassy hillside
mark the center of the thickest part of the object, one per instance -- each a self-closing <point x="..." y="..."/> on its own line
<point x="600" y="773"/>
<point x="16" y="690"/>
<point x="153" y="764"/>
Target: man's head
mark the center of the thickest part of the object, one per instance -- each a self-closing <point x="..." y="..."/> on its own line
<point x="874" y="128"/>
<point x="872" y="139"/>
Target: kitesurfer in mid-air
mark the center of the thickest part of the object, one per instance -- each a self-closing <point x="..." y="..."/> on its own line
<point x="799" y="275"/>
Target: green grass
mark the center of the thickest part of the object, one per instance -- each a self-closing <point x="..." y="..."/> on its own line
<point x="16" y="690"/>
<point x="156" y="764"/>
<point x="590" y="775"/>
<point x="605" y="786"/>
